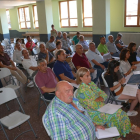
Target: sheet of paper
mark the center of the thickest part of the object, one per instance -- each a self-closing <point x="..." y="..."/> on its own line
<point x="128" y="77"/>
<point x="130" y="90"/>
<point x="94" y="74"/>
<point x="116" y="58"/>
<point x="107" y="56"/>
<point x="136" y="72"/>
<point x="138" y="65"/>
<point x="109" y="108"/>
<point x="108" y="132"/>
<point x="138" y="68"/>
<point x="74" y="85"/>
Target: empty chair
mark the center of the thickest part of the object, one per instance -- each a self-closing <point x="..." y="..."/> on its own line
<point x="16" y="118"/>
<point x="72" y="47"/>
<point x="88" y="41"/>
<point x="25" y="40"/>
<point x="38" y="43"/>
<point x="34" y="40"/>
<point x="36" y="51"/>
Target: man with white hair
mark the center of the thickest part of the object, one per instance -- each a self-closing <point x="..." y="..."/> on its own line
<point x="59" y="36"/>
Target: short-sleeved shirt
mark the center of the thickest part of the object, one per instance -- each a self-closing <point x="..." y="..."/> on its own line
<point x="50" y="45"/>
<point x="5" y="59"/>
<point x="62" y="67"/>
<point x="84" y="44"/>
<point x="102" y="48"/>
<point x="94" y="56"/>
<point x="81" y="61"/>
<point x="43" y="56"/>
<point x="65" y="43"/>
<point x="58" y="38"/>
<point x="75" y="39"/>
<point x="47" y="79"/>
<point x="132" y="57"/>
<point x="28" y="44"/>
<point x="111" y="47"/>
<point x="124" y="66"/>
<point x="119" y="42"/>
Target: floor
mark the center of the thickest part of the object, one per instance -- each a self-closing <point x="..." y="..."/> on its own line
<point x="31" y="97"/>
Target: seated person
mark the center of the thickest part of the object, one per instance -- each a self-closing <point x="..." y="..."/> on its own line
<point x="66" y="119"/>
<point x="59" y="36"/>
<point x="80" y="60"/>
<point x="30" y="45"/>
<point x="119" y="42"/>
<point x="102" y="48"/>
<point x="92" y="98"/>
<point x="46" y="80"/>
<point x="50" y="45"/>
<point x="132" y="59"/>
<point x="125" y="66"/>
<point x="83" y="43"/>
<point x="95" y="58"/>
<point x="75" y="39"/>
<point x="20" y="41"/>
<point x="45" y="54"/>
<point x="6" y="62"/>
<point x="112" y="47"/>
<point x="111" y="77"/>
<point x="62" y="69"/>
<point x="66" y="43"/>
<point x="29" y="63"/>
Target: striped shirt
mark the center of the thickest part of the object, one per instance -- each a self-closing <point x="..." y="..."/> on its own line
<point x="65" y="122"/>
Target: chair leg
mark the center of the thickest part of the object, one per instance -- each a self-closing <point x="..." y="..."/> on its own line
<point x="4" y="132"/>
<point x="7" y="107"/>
<point x="21" y="96"/>
<point x="39" y="104"/>
<point x="32" y="128"/>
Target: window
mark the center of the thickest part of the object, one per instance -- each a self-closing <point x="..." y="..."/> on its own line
<point x="68" y="13"/>
<point x="87" y="12"/>
<point x="132" y="13"/>
<point x="8" y="19"/>
<point x="35" y="16"/>
<point x="24" y="18"/>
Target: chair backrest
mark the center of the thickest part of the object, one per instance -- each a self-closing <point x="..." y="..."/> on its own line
<point x="36" y="50"/>
<point x="105" y="83"/>
<point x="15" y="40"/>
<point x="72" y="47"/>
<point x="25" y="40"/>
<point x="5" y="42"/>
<point x="34" y="40"/>
<point x="38" y="43"/>
<point x="43" y="119"/>
<point x="4" y="72"/>
<point x="75" y="93"/>
<point x="12" y="46"/>
<point x="7" y="94"/>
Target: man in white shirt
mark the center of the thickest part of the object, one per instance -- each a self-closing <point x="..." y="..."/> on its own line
<point x="50" y="45"/>
<point x="95" y="57"/>
<point x="29" y="63"/>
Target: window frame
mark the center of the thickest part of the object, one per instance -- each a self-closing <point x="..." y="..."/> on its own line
<point x="138" y="16"/>
<point x="24" y="17"/>
<point x="10" y="20"/>
<point x="86" y="17"/>
<point x="68" y="15"/>
<point x="34" y="18"/>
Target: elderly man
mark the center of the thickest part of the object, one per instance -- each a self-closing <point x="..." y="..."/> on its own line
<point x="80" y="60"/>
<point x="66" y="119"/>
<point x="95" y="58"/>
<point x="59" y="36"/>
<point x="46" y="80"/>
<point x="62" y="69"/>
<point x="66" y="43"/>
<point x="83" y="43"/>
<point x="75" y="39"/>
<point x="112" y="47"/>
<point x="50" y="45"/>
<point x="45" y="54"/>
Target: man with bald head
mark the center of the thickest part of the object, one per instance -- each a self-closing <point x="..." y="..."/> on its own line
<point x="65" y="118"/>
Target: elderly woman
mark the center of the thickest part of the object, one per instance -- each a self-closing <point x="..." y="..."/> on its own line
<point x="92" y="98"/>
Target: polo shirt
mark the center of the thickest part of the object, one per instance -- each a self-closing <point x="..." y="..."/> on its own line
<point x="43" y="56"/>
<point x="50" y="45"/>
<point x="84" y="44"/>
<point x="102" y="48"/>
<point x="81" y="61"/>
<point x="47" y="79"/>
<point x="28" y="44"/>
<point x="111" y="47"/>
<point x="17" y="56"/>
<point x="5" y="59"/>
<point x="75" y="39"/>
<point x="62" y="67"/>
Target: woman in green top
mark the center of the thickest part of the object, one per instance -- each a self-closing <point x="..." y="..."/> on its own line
<point x="92" y="98"/>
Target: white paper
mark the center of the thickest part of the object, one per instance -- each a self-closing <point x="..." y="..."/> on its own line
<point x="109" y="108"/>
<point x="116" y="58"/>
<point x="74" y="85"/>
<point x="107" y="56"/>
<point x="130" y="90"/>
<point x="108" y="132"/>
<point x="94" y="74"/>
<point x="138" y="68"/>
<point x="128" y="77"/>
<point x="138" y="65"/>
<point x="136" y="72"/>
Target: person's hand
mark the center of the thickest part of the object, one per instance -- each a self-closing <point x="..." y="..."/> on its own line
<point x="122" y="80"/>
<point x="99" y="99"/>
<point x="13" y="68"/>
<point x="102" y="66"/>
<point x="91" y="70"/>
<point x="138" y="91"/>
<point x="100" y="127"/>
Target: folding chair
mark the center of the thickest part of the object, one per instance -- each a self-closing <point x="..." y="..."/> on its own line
<point x="72" y="47"/>
<point x="16" y="118"/>
<point x="41" y="96"/>
<point x="75" y="93"/>
<point x="5" y="72"/>
<point x="34" y="40"/>
<point x="88" y="41"/>
<point x="38" y="43"/>
<point x="36" y="51"/>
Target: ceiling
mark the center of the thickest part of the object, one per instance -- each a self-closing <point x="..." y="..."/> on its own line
<point x="8" y="4"/>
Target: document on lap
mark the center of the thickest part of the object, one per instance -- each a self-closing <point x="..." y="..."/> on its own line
<point x="107" y="56"/>
<point x="128" y="77"/>
<point x="109" y="108"/>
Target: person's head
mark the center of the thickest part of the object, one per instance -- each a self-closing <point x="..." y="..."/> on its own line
<point x="25" y="53"/>
<point x="125" y="54"/>
<point x="102" y="40"/>
<point x="83" y="76"/>
<point x="65" y="35"/>
<point x="42" y="48"/>
<point x="52" y="26"/>
<point x="110" y="38"/>
<point x="132" y="47"/>
<point x="18" y="40"/>
<point x="42" y="65"/>
<point x="29" y="38"/>
<point x="81" y="38"/>
<point x="79" y="49"/>
<point x="78" y="34"/>
<point x="92" y="46"/>
<point x="52" y="38"/>
<point x="1" y="49"/>
<point x="61" y="55"/>
<point x="64" y="91"/>
<point x="119" y="36"/>
<point x="58" y="44"/>
<point x="59" y="34"/>
<point x="18" y="46"/>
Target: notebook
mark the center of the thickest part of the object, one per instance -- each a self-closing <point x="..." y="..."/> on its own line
<point x="134" y="79"/>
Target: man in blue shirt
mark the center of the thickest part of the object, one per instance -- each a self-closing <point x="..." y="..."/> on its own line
<point x="62" y="69"/>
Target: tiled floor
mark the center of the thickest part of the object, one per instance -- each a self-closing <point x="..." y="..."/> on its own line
<point x="31" y="106"/>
